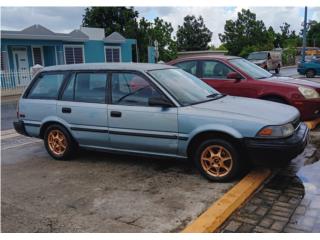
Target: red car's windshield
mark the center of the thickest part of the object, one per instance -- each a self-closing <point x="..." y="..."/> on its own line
<point x="250" y="68"/>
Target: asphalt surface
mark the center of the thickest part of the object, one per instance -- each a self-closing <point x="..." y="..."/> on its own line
<point x="8" y="113"/>
<point x="98" y="192"/>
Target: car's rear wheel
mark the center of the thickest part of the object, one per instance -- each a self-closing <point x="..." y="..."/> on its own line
<point x="217" y="160"/>
<point x="59" y="143"/>
<point x="310" y="73"/>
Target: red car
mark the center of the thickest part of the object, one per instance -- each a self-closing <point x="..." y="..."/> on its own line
<point x="239" y="77"/>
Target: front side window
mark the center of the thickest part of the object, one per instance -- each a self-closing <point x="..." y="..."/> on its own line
<point x="215" y="69"/>
<point x="46" y="86"/>
<point x="188" y="66"/>
<point x="73" y="54"/>
<point x="131" y="89"/>
<point x="186" y="88"/>
<point x="87" y="87"/>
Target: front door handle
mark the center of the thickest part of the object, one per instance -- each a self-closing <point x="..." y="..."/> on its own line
<point x="115" y="114"/>
<point x="66" y="110"/>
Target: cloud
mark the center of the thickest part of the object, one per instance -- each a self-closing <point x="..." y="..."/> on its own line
<point x="58" y="19"/>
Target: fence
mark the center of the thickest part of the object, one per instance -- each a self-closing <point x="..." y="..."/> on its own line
<point x="13" y="83"/>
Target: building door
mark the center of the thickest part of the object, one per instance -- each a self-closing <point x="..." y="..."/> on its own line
<point x="21" y="66"/>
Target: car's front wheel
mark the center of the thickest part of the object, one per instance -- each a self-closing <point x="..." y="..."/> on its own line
<point x="59" y="143"/>
<point x="217" y="160"/>
<point x="310" y="73"/>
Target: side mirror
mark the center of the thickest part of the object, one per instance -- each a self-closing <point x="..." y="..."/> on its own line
<point x="234" y="75"/>
<point x="159" y="102"/>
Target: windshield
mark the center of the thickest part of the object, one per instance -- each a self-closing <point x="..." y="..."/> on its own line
<point x="186" y="88"/>
<point x="250" y="68"/>
<point x="258" y="56"/>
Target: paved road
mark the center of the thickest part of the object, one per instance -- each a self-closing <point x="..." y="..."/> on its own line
<point x="98" y="192"/>
<point x="8" y="114"/>
<point x="289" y="202"/>
<point x="289" y="72"/>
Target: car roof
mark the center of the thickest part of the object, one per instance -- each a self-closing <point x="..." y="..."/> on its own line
<point x="207" y="56"/>
<point x="107" y="66"/>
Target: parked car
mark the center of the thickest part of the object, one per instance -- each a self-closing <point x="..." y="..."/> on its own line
<point x="239" y="77"/>
<point x="310" y="68"/>
<point x="156" y="110"/>
<point x="269" y="60"/>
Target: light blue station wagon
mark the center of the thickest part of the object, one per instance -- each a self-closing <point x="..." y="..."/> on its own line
<point x="156" y="110"/>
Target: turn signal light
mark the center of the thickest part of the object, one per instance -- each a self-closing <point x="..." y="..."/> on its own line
<point x="266" y="132"/>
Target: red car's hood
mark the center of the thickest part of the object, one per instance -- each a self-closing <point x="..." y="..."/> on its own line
<point x="294" y="81"/>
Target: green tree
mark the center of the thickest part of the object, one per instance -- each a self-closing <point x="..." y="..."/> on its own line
<point x="313" y="35"/>
<point x="244" y="33"/>
<point x="112" y="19"/>
<point x="193" y="34"/>
<point x="162" y="32"/>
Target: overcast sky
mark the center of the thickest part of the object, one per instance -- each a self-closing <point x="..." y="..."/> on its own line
<point x="66" y="19"/>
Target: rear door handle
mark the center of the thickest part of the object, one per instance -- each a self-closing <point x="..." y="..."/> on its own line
<point x="66" y="110"/>
<point x="115" y="114"/>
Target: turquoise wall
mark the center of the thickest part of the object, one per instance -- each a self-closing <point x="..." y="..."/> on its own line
<point x="94" y="51"/>
<point x="151" y="55"/>
<point x="49" y="55"/>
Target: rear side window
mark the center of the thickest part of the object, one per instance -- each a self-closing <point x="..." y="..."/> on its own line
<point x="189" y="66"/>
<point x="86" y="87"/>
<point x="46" y="86"/>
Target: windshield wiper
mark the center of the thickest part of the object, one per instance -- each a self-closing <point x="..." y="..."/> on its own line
<point x="216" y="95"/>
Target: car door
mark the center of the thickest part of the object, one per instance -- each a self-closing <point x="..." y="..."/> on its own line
<point x="133" y="124"/>
<point x="83" y="106"/>
<point x="215" y="72"/>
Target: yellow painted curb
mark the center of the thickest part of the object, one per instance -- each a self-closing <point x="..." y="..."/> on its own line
<point x="215" y="216"/>
<point x="312" y="124"/>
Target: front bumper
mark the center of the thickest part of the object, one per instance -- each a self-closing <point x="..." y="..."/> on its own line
<point x="277" y="152"/>
<point x="309" y="108"/>
<point x="19" y="127"/>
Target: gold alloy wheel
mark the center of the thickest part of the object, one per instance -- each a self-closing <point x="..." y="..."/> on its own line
<point x="57" y="142"/>
<point x="216" y="161"/>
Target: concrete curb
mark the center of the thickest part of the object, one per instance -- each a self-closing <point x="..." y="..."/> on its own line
<point x="292" y="66"/>
<point x="218" y="213"/>
<point x="313" y="124"/>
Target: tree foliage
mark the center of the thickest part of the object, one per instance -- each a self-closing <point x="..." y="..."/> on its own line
<point x="193" y="34"/>
<point x="246" y="33"/>
<point x="112" y="19"/>
<point x="313" y="35"/>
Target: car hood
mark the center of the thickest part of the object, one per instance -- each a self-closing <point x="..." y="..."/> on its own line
<point x="293" y="81"/>
<point x="258" y="61"/>
<point x="269" y="113"/>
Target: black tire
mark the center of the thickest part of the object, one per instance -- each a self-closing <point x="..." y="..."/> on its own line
<point x="310" y="73"/>
<point x="70" y="145"/>
<point x="275" y="99"/>
<point x="229" y="150"/>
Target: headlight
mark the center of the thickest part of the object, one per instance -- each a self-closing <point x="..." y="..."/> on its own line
<point x="276" y="131"/>
<point x="308" y="92"/>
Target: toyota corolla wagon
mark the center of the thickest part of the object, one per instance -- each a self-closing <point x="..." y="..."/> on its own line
<point x="156" y="110"/>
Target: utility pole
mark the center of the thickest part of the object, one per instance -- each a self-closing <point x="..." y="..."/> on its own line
<point x="304" y="35"/>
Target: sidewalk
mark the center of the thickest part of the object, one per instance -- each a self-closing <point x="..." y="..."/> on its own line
<point x="290" y="202"/>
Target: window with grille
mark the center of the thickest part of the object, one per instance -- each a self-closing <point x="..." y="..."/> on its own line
<point x="112" y="54"/>
<point x="37" y="56"/>
<point x="2" y="62"/>
<point x="73" y="55"/>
